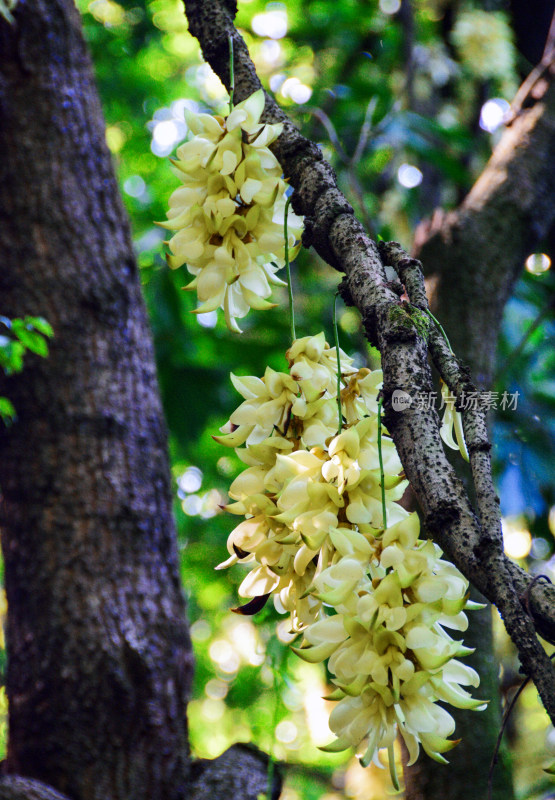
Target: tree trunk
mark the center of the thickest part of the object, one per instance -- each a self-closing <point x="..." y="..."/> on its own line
<point x="99" y="653"/>
<point x="476" y="254"/>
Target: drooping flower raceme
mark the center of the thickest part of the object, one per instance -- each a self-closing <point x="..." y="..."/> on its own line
<point x="302" y="478"/>
<point x="366" y="593"/>
<point x="228" y="215"/>
<point x="387" y="645"/>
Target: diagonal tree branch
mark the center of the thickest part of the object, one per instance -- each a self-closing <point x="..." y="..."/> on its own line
<point x="400" y="331"/>
<point x="489" y="552"/>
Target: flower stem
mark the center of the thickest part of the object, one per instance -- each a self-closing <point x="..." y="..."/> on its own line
<point x="393" y="767"/>
<point x="440" y="327"/>
<point x="269" y="777"/>
<point x="336" y="337"/>
<point x="275" y="668"/>
<point x="231" y="74"/>
<point x="288" y="267"/>
<point x="380" y="457"/>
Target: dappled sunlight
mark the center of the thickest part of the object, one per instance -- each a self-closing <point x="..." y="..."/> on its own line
<point x="395" y="164"/>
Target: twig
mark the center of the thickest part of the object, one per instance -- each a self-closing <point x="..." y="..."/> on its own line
<point x="322" y="117"/>
<point x="364" y="131"/>
<point x="351" y="163"/>
<point x="504" y="722"/>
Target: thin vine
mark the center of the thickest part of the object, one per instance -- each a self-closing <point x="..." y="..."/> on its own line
<point x="288" y="268"/>
<point x="336" y="338"/>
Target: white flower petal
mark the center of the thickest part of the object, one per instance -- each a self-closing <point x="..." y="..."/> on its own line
<point x="258" y="582"/>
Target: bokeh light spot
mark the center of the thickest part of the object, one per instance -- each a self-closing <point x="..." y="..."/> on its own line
<point x="165" y="136"/>
<point x="296" y="91"/>
<point x="115" y="138"/>
<point x="409" y="176"/>
<point x="537" y="263"/>
<point x="390" y="6"/>
<point x="517" y="539"/>
<point x="191" y="480"/>
<point x="134" y="186"/>
<point x="270" y="51"/>
<point x="493" y="113"/>
<point x="272" y="23"/>
<point x="286" y="732"/>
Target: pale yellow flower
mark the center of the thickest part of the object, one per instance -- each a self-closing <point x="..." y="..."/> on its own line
<point x="228" y="217"/>
<point x="389" y="651"/>
<point x="452" y="419"/>
<point x="375" y="603"/>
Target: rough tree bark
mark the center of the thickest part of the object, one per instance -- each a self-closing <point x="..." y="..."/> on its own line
<point x="471" y="537"/>
<point x="99" y="659"/>
<point x="99" y="654"/>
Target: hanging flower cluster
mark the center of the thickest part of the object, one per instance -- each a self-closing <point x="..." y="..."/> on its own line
<point x="228" y="216"/>
<point x="387" y="645"/>
<point x="322" y="529"/>
<point x="366" y="593"/>
<point x="296" y="488"/>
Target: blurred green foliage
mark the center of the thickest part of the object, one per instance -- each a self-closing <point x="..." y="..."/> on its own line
<point x="17" y="338"/>
<point x="395" y="96"/>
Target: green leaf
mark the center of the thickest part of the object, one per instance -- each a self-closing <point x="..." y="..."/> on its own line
<point x="11" y="357"/>
<point x="32" y="340"/>
<point x="7" y="411"/>
<point x="40" y="325"/>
